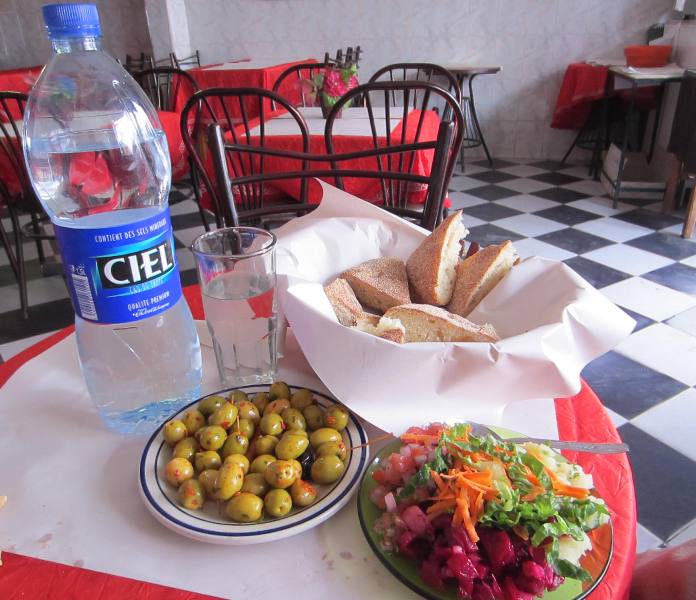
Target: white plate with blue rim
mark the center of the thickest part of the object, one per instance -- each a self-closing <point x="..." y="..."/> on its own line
<point x="209" y="523"/>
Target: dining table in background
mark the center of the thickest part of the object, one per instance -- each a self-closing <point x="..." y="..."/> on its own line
<point x="74" y="522"/>
<point x="473" y="135"/>
<point x="252" y="73"/>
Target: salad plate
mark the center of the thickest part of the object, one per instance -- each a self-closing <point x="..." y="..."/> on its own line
<point x="595" y="561"/>
<point x="209" y="525"/>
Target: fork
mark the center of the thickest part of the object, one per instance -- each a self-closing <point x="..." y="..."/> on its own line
<point x="594" y="447"/>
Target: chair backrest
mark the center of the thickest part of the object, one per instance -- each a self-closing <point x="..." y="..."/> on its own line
<point x="290" y="83"/>
<point x="407" y="127"/>
<point x="420" y="72"/>
<point x="192" y="61"/>
<point x="387" y="165"/>
<point x="13" y="175"/>
<point x="246" y="143"/>
<point x="167" y="88"/>
<point x="138" y="63"/>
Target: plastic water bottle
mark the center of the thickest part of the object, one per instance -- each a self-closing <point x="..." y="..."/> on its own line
<point x="99" y="163"/>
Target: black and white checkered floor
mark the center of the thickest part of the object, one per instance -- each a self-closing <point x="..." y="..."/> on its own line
<point x="632" y="253"/>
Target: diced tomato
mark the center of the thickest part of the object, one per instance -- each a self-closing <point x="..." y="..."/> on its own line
<point x="379" y="476"/>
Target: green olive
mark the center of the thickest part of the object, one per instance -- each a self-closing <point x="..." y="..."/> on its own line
<point x="333" y="449"/>
<point x="277" y="503"/>
<point x="209" y="405"/>
<point x="211" y="437"/>
<point x="236" y="444"/>
<point x="259" y="464"/>
<point x="248" y="410"/>
<point x="193" y="419"/>
<point x="207" y="460"/>
<point x="207" y="480"/>
<point x="280" y="474"/>
<point x="301" y="399"/>
<point x="323" y="435"/>
<point x="186" y="448"/>
<point x="276" y="406"/>
<point x="244" y="426"/>
<point x="302" y="493"/>
<point x="279" y="389"/>
<point x="314" y="416"/>
<point x="293" y="419"/>
<point x="336" y="417"/>
<point x="265" y="444"/>
<point x="272" y="424"/>
<point x="228" y="482"/>
<point x="191" y="494"/>
<point x="244" y="508"/>
<point x="256" y="484"/>
<point x="327" y="469"/>
<point x="178" y="470"/>
<point x="174" y="431"/>
<point x="297" y="466"/>
<point x="291" y="446"/>
<point x="225" y="416"/>
<point x="240" y="460"/>
<point x="237" y="396"/>
<point x="260" y="401"/>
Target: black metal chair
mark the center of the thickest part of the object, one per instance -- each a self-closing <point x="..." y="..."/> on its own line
<point x="192" y="61"/>
<point x="406" y="103"/>
<point x="291" y="80"/>
<point x="389" y="161"/>
<point x="247" y="152"/>
<point x="17" y="195"/>
<point x="429" y="72"/>
<point x="138" y="63"/>
<point x="166" y="87"/>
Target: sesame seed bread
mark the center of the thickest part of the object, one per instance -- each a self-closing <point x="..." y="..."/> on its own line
<point x="379" y="283"/>
<point x="425" y="323"/>
<point x="343" y="301"/>
<point x="478" y="274"/>
<point x="432" y="266"/>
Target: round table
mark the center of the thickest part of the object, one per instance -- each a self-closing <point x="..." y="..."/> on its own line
<point x="473" y="136"/>
<point x="54" y="537"/>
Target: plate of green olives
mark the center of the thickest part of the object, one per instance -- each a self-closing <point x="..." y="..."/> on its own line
<point x="253" y="464"/>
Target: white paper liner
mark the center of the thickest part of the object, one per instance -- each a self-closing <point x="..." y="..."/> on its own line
<point x="552" y="323"/>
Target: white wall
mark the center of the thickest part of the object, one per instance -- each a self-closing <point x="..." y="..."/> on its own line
<point x="23" y="40"/>
<point x="534" y="40"/>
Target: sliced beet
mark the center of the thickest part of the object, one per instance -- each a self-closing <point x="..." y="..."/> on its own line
<point x="498" y="547"/>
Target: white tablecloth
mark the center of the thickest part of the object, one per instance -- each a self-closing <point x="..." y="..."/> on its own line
<point x="72" y="489"/>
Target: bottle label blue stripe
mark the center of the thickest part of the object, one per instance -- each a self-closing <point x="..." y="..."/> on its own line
<point x="121" y="274"/>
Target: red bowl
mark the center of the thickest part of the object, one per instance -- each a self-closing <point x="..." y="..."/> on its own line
<point x="647" y="56"/>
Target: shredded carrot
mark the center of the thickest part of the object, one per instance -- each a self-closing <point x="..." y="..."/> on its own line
<point x="565" y="489"/>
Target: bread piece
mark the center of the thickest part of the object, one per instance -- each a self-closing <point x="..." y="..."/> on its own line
<point x="432" y="266"/>
<point x="479" y="274"/>
<point x="379" y="283"/>
<point x="425" y="323"/>
<point x="345" y="304"/>
<point x="385" y="327"/>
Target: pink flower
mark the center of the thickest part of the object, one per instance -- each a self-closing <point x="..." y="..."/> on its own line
<point x="334" y="85"/>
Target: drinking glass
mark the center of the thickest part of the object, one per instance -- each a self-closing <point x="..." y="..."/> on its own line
<point x="237" y="273"/>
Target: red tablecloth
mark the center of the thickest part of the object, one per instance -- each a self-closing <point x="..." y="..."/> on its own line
<point x="244" y="74"/>
<point x="584" y="84"/>
<point x="580" y="417"/>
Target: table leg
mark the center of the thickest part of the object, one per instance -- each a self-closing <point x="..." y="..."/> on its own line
<point x="624" y="146"/>
<point x="656" y="124"/>
<point x="460" y="82"/>
<point x="476" y="122"/>
<point x="603" y="134"/>
<point x="690" y="218"/>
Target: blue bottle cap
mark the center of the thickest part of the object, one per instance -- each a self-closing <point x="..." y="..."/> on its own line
<point x="71" y="20"/>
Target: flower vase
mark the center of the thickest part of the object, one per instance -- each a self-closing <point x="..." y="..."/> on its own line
<point x="326" y="109"/>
